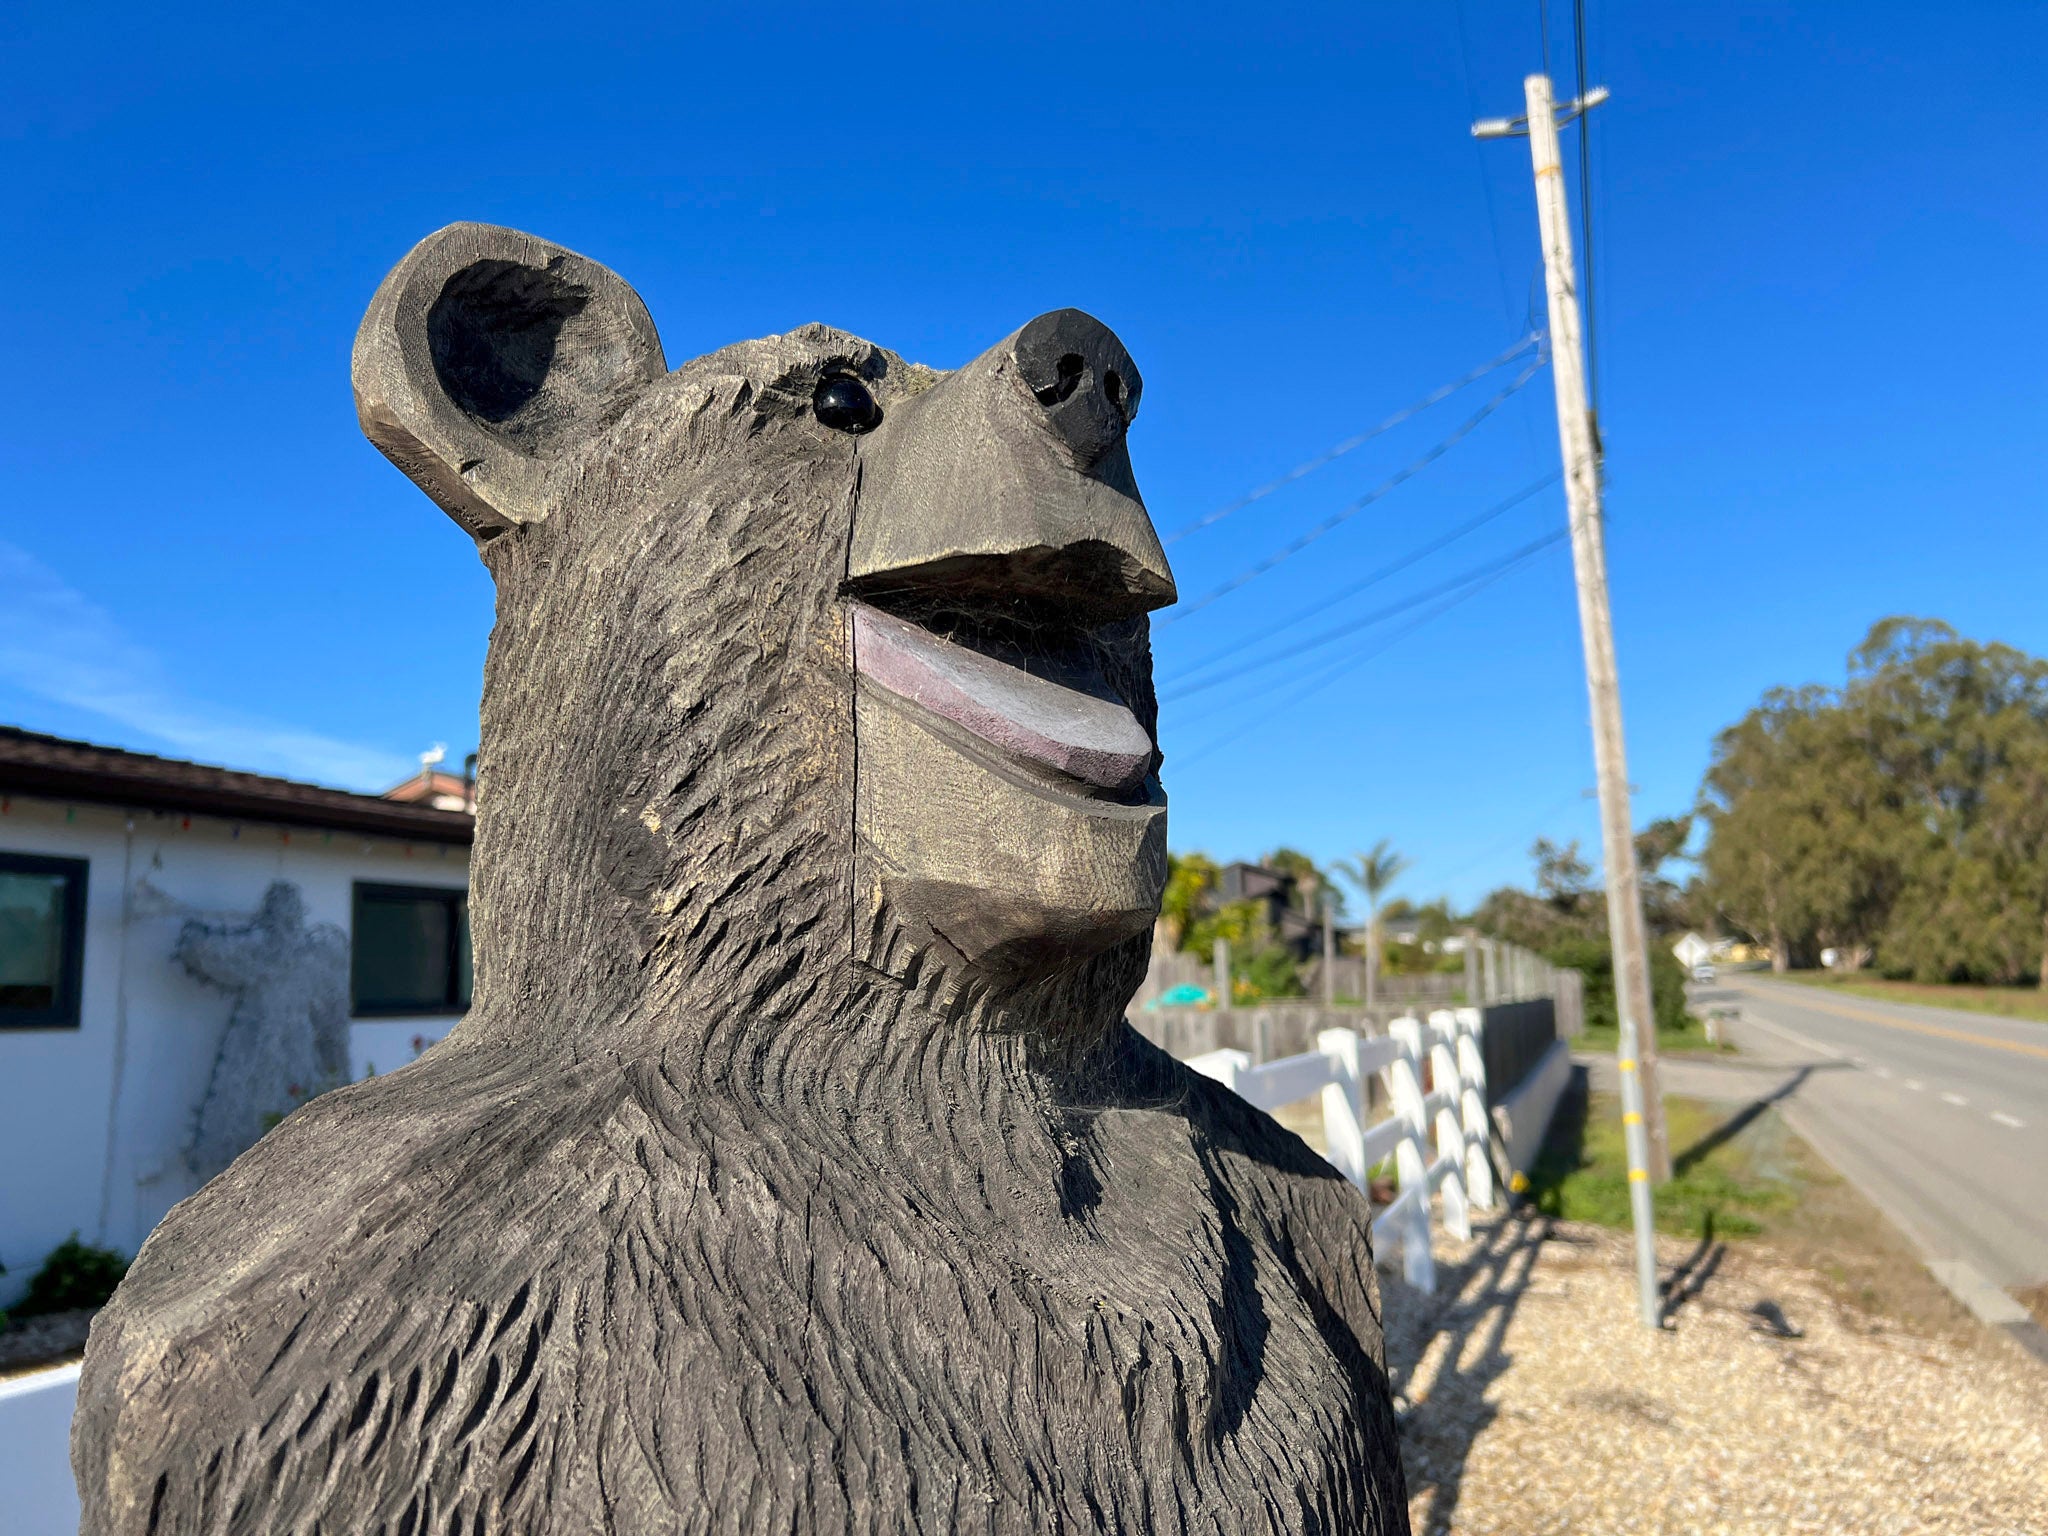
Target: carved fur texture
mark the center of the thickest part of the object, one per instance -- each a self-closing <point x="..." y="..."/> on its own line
<point x="698" y="1223"/>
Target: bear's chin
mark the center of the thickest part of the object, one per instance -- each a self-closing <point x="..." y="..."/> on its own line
<point x="989" y="872"/>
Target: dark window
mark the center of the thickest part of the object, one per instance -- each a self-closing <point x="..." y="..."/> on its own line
<point x="410" y="950"/>
<point x="42" y="941"/>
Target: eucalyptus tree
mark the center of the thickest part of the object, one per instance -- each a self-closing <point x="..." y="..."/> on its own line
<point x="1900" y="818"/>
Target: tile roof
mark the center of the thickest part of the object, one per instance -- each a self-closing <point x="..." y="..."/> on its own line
<point x="55" y="768"/>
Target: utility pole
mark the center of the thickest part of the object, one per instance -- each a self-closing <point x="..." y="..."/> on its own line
<point x="1329" y="950"/>
<point x="1649" y="1153"/>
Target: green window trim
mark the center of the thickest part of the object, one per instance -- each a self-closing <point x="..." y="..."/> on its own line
<point x="42" y="993"/>
<point x="409" y="951"/>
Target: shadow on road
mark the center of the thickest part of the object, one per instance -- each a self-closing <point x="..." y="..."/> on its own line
<point x="1746" y="1116"/>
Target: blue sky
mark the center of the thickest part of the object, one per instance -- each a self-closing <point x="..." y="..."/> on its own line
<point x="1820" y="264"/>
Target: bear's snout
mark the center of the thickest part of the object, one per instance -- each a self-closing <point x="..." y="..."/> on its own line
<point x="1083" y="378"/>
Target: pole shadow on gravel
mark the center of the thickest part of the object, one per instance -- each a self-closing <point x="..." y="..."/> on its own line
<point x="1470" y="1312"/>
<point x="1445" y="1352"/>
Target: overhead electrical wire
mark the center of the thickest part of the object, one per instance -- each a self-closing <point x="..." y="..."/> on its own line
<point x="1547" y="819"/>
<point x="1343" y="631"/>
<point x="1346" y="663"/>
<point x="1440" y="393"/>
<point x="1345" y="514"/>
<point x="1507" y="303"/>
<point x="1391" y="568"/>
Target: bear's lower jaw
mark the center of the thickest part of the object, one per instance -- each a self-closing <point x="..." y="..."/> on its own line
<point x="962" y="865"/>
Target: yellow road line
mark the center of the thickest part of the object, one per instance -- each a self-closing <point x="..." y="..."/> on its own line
<point x="2019" y="1047"/>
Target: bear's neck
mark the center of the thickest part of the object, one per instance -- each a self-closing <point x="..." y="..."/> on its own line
<point x="980" y="1109"/>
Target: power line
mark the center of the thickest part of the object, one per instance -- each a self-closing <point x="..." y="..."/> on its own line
<point x="1344" y="664"/>
<point x="1543" y="822"/>
<point x="1331" y="636"/>
<point x="1393" y="567"/>
<point x="1500" y="259"/>
<point x="1399" y="478"/>
<point x="1441" y="392"/>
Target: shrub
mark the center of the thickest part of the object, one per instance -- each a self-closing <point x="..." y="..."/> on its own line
<point x="74" y="1275"/>
<point x="1593" y="960"/>
<point x="1267" y="973"/>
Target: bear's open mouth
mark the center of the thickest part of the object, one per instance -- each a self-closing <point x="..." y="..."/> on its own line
<point x="1032" y="690"/>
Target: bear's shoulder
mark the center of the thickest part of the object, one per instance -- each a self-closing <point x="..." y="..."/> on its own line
<point x="321" y="1331"/>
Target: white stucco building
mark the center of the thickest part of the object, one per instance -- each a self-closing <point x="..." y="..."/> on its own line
<point x="160" y="984"/>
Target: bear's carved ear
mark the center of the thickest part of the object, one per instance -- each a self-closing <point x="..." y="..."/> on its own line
<point x="487" y="355"/>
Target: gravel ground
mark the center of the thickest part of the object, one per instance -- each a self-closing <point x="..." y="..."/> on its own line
<point x="1535" y="1403"/>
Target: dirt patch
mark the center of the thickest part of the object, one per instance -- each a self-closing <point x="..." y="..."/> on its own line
<point x="1868" y="1265"/>
<point x="2035" y="1299"/>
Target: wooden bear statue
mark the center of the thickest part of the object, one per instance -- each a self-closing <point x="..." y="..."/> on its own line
<point x="795" y="1168"/>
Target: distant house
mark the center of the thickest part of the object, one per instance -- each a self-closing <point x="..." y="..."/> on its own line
<point x="1274" y="891"/>
<point x="1410" y="928"/>
<point x="187" y="953"/>
<point x="1401" y="930"/>
<point x="431" y="786"/>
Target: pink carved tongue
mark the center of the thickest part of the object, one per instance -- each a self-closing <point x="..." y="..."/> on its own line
<point x="1092" y="739"/>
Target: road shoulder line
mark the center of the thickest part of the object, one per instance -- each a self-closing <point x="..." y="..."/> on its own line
<point x="1793" y="999"/>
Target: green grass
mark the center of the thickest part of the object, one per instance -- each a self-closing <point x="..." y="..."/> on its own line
<point x="2007" y="1002"/>
<point x="1605" y="1039"/>
<point x="1738" y="1171"/>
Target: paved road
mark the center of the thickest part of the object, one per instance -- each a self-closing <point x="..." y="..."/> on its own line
<point x="1939" y="1116"/>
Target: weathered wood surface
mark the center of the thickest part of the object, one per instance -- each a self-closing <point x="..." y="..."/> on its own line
<point x="747" y="1198"/>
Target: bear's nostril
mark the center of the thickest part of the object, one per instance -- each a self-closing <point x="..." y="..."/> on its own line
<point x="1070" y="369"/>
<point x="1114" y="388"/>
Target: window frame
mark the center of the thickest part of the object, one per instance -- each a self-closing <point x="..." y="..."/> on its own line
<point x="454" y="898"/>
<point x="66" y="1011"/>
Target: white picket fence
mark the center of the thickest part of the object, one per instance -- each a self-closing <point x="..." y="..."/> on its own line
<point x="1437" y="1139"/>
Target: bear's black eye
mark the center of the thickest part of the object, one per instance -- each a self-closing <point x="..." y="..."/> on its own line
<point x="844" y="404"/>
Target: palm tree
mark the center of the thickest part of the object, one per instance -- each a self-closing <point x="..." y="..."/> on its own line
<point x="1374" y="874"/>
